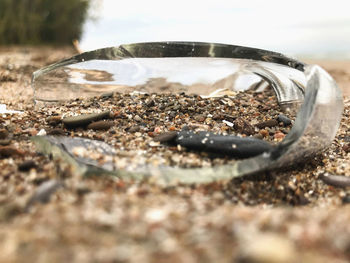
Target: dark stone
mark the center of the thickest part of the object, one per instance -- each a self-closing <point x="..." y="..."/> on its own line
<point x="167" y="137"/>
<point x="3" y="134"/>
<point x="54" y="120"/>
<point x="8" y="151"/>
<point x="26" y="165"/>
<point x="336" y="180"/>
<point x="243" y="127"/>
<point x="100" y="125"/>
<point x="85" y="119"/>
<point x="229" y="118"/>
<point x="83" y="191"/>
<point x="151" y="103"/>
<point x="268" y="123"/>
<point x="233" y="146"/>
<point x="5" y="142"/>
<point x="299" y="199"/>
<point x="218" y="117"/>
<point x="346" y="147"/>
<point x="134" y="128"/>
<point x="284" y="119"/>
<point x="56" y="132"/>
<point x="346" y="199"/>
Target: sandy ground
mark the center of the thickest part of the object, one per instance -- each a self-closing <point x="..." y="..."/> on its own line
<point x="102" y="219"/>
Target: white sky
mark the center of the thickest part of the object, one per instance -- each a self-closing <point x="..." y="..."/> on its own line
<point x="292" y="27"/>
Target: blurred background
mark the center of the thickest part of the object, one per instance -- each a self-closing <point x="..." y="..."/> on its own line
<point x="311" y="29"/>
<point x="42" y="21"/>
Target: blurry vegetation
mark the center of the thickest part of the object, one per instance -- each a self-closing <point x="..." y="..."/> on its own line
<point x="42" y="21"/>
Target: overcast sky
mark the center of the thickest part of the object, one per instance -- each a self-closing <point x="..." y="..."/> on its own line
<point x="293" y="27"/>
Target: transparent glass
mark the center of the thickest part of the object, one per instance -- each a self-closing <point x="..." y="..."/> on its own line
<point x="206" y="69"/>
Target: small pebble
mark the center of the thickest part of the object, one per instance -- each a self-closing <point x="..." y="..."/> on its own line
<point x="134" y="128"/>
<point x="336" y="180"/>
<point x="137" y="118"/>
<point x="42" y="132"/>
<point x="279" y="136"/>
<point x="158" y="129"/>
<point x="107" y="95"/>
<point x="233" y="146"/>
<point x="230" y="124"/>
<point x="100" y="125"/>
<point x="269" y="124"/>
<point x="284" y="119"/>
<point x="346" y="147"/>
<point x="56" y="131"/>
<point x="26" y="165"/>
<point x="264" y="133"/>
<point x="346" y="199"/>
<point x="3" y="134"/>
<point x="5" y="142"/>
<point x="244" y="127"/>
<point x="166" y="137"/>
<point x="150" y="103"/>
<point x="8" y="151"/>
<point x="84" y="119"/>
<point x="54" y="120"/>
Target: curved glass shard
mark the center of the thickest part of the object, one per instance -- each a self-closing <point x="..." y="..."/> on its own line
<point x="209" y="70"/>
<point x="193" y="68"/>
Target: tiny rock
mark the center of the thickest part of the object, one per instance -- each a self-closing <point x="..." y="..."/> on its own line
<point x="134" y="128"/>
<point x="166" y="137"/>
<point x="346" y="199"/>
<point x="264" y="133"/>
<point x="42" y="132"/>
<point x="54" y="120"/>
<point x="26" y="165"/>
<point x="8" y="151"/>
<point x="268" y="123"/>
<point x="137" y="118"/>
<point x="5" y="142"/>
<point x="100" y="125"/>
<point x="84" y="119"/>
<point x="233" y="146"/>
<point x="336" y="180"/>
<point x="284" y="119"/>
<point x="158" y="129"/>
<point x="279" y="136"/>
<point x="3" y="134"/>
<point x="346" y="147"/>
<point x="244" y="127"/>
<point x="56" y="132"/>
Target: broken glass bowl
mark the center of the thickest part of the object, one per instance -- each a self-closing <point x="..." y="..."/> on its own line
<point x="194" y="68"/>
<point x="205" y="69"/>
